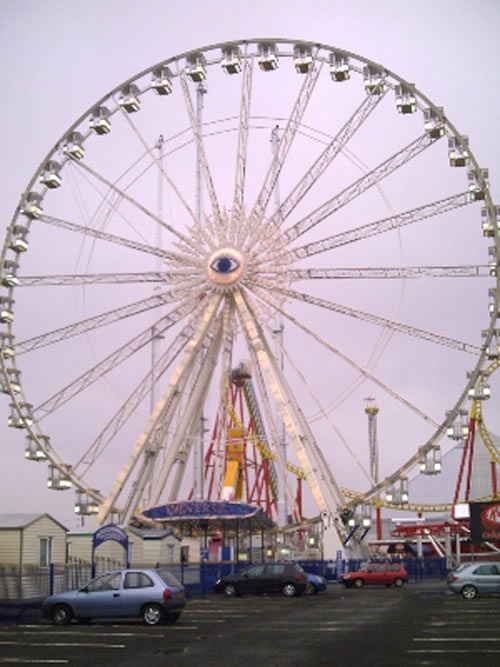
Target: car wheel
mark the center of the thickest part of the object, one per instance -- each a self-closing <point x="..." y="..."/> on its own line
<point x="152" y="614"/>
<point x="289" y="590"/>
<point x="398" y="582"/>
<point x="311" y="589"/>
<point x="469" y="592"/>
<point x="358" y="583"/>
<point x="230" y="591"/>
<point x="61" y="614"/>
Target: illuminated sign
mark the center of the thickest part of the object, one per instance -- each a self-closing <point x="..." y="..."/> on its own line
<point x="485" y="522"/>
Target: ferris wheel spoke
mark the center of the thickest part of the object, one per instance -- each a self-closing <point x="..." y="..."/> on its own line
<point x="256" y="216"/>
<point x="378" y="321"/>
<point x="325" y="413"/>
<point x="157" y="161"/>
<point x="229" y="334"/>
<point x="336" y="145"/>
<point x="151" y="439"/>
<point x="195" y="375"/>
<point x="325" y="489"/>
<point x="274" y="437"/>
<point x="91" y="323"/>
<point x="362" y="370"/>
<point x="393" y="222"/>
<point x="390" y="273"/>
<point x="201" y="154"/>
<point x="189" y="423"/>
<point x="357" y="188"/>
<point x="114" y="359"/>
<point x="73" y="280"/>
<point x="112" y="187"/>
<point x="242" y="149"/>
<point x="113" y="238"/>
<point x="119" y="419"/>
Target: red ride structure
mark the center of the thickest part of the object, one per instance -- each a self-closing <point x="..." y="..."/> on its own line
<point x="238" y="464"/>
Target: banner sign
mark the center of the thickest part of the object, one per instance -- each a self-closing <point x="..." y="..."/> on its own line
<point x="484" y="522"/>
<point x="111" y="532"/>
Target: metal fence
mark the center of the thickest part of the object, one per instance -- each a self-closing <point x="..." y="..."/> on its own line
<point x="33" y="582"/>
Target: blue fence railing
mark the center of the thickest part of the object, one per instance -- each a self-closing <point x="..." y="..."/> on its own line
<point x="36" y="583"/>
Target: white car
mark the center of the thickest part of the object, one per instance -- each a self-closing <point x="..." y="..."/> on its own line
<point x="469" y="579"/>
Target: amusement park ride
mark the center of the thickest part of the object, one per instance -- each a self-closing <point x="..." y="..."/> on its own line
<point x="157" y="284"/>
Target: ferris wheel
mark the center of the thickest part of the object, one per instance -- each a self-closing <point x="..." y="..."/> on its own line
<point x="285" y="203"/>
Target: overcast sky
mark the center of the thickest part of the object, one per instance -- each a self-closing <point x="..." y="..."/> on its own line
<point x="59" y="57"/>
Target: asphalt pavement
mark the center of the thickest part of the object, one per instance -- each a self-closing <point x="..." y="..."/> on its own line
<point x="420" y="624"/>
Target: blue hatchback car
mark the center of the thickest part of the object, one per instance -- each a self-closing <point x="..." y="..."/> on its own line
<point x="315" y="583"/>
<point x="153" y="595"/>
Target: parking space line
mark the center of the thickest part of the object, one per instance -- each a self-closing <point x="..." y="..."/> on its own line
<point x="456" y="639"/>
<point x="479" y="651"/>
<point x="27" y="661"/>
<point x="61" y="645"/>
<point x="87" y="633"/>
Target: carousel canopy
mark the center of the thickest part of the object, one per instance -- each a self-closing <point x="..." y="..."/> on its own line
<point x="208" y="510"/>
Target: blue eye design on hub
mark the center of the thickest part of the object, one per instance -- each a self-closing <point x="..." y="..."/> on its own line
<point x="225" y="264"/>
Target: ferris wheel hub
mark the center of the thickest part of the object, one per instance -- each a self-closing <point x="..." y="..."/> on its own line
<point x="226" y="267"/>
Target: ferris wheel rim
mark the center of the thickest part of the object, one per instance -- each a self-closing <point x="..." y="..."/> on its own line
<point x="392" y="80"/>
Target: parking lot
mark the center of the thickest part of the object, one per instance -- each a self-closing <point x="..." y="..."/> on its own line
<point x="420" y="624"/>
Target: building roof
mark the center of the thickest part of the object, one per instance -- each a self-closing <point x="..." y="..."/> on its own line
<point x="23" y="520"/>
